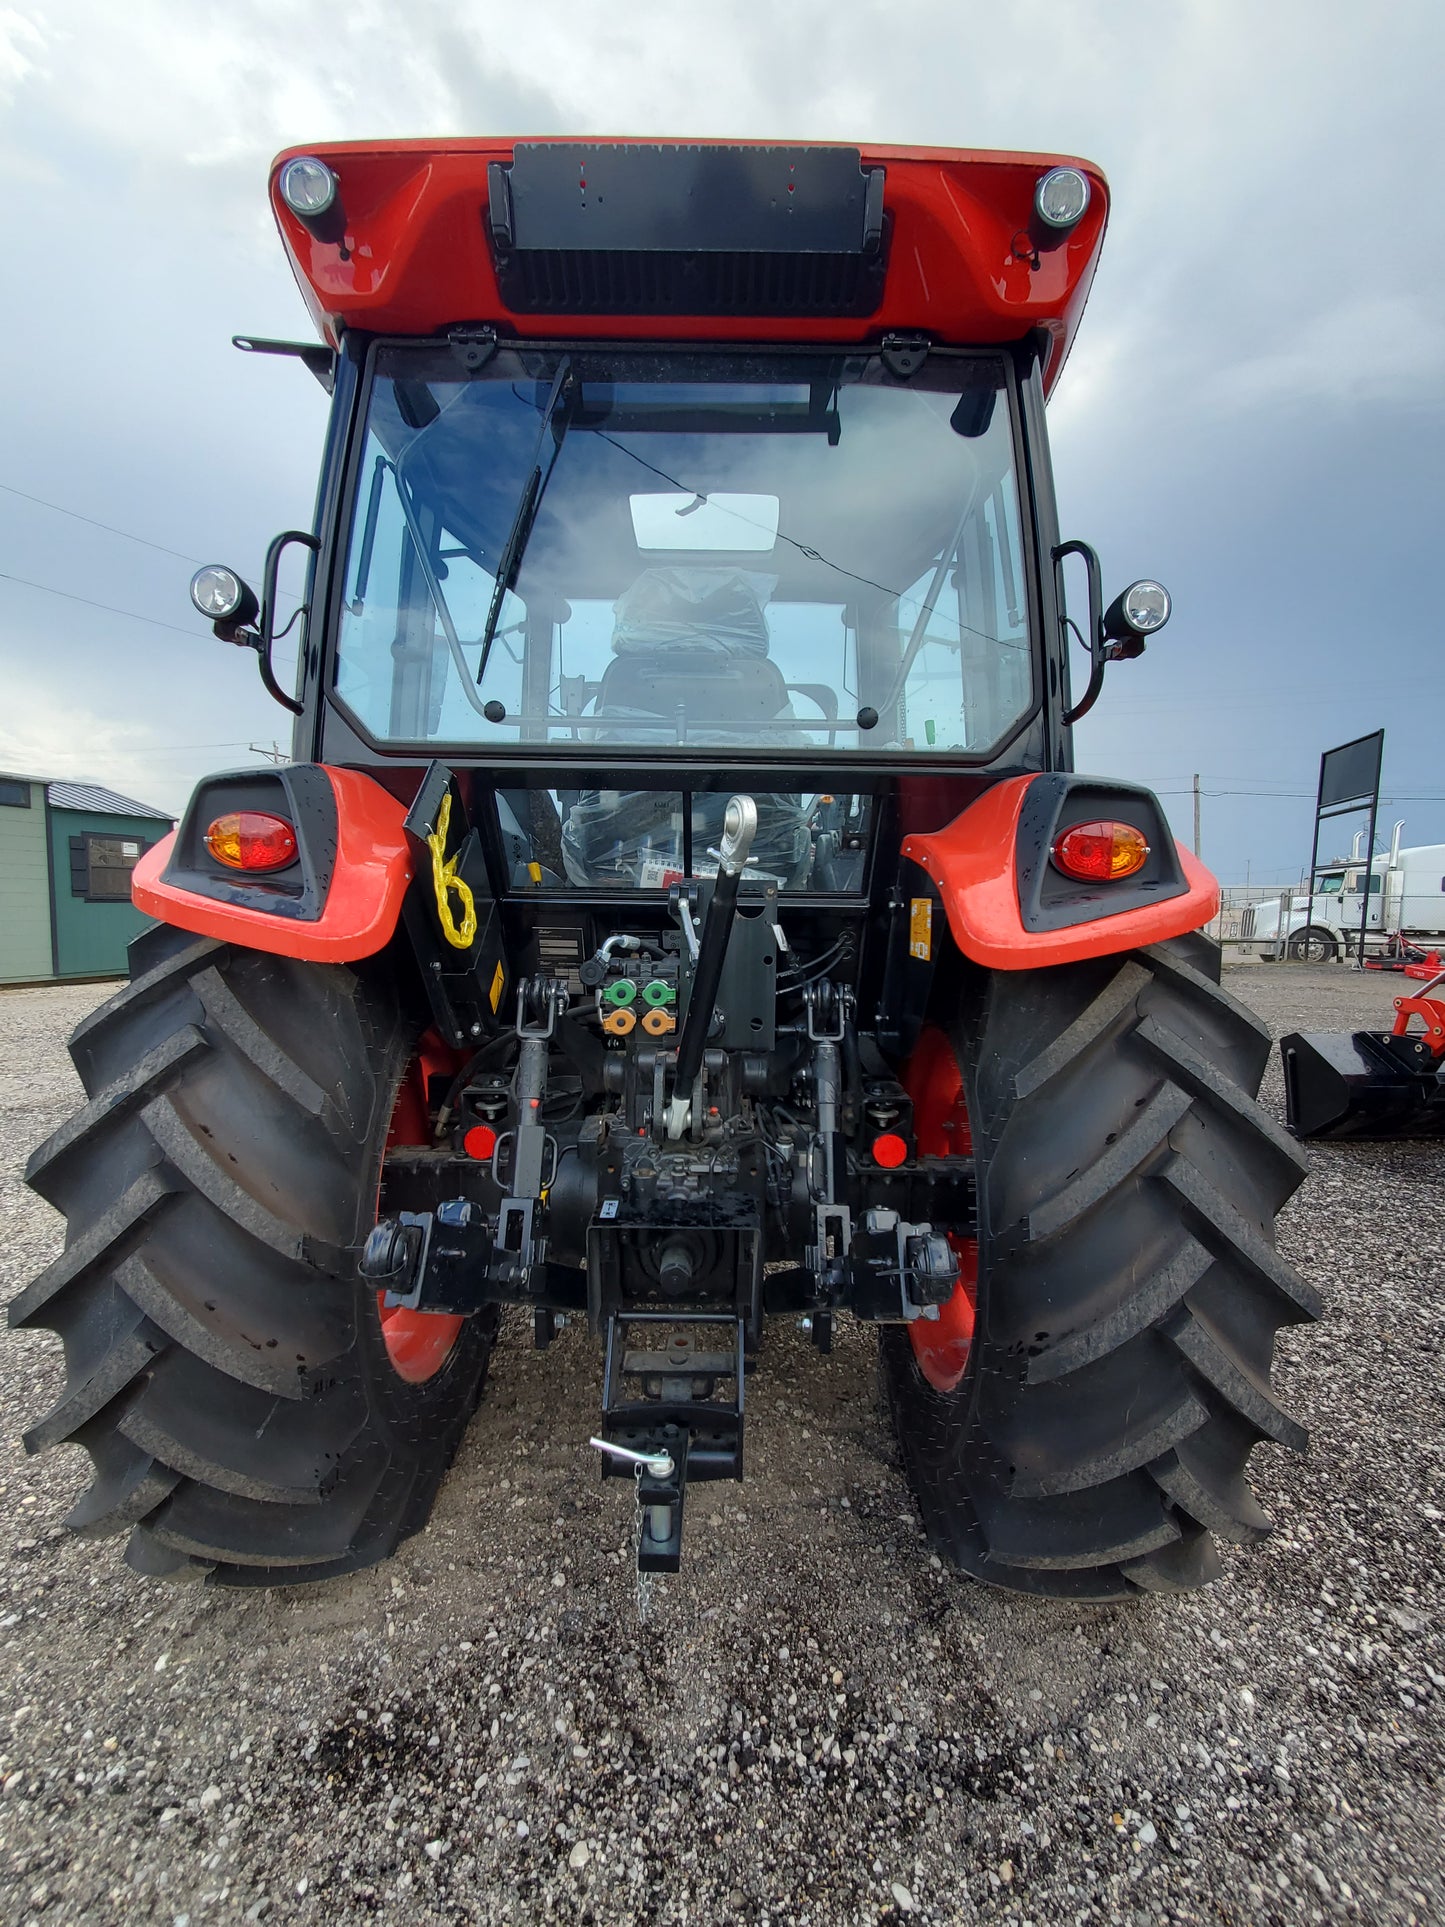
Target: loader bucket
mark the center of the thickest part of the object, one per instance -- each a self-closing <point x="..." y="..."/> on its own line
<point x="1368" y="1084"/>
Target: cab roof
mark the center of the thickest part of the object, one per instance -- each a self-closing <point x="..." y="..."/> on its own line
<point x="681" y="242"/>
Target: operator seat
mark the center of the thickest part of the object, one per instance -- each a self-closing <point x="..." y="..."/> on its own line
<point x="694" y="639"/>
<point x="707" y="687"/>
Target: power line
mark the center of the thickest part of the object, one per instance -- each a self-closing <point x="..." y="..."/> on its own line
<point x="1308" y="796"/>
<point x="1236" y="788"/>
<point x="109" y="527"/>
<point x="109" y="608"/>
<point x="183" y="749"/>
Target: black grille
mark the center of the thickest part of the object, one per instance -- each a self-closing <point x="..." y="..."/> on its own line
<point x="605" y="281"/>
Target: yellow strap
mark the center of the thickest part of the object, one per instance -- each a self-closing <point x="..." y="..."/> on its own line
<point x="445" y="878"/>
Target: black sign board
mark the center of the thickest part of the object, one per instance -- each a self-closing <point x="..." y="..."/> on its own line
<point x="1351" y="773"/>
<point x="1349" y="781"/>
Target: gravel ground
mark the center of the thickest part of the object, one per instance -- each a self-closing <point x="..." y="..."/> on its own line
<point x="813" y="1722"/>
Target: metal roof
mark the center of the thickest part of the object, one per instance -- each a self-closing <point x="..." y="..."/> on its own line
<point x="90" y="796"/>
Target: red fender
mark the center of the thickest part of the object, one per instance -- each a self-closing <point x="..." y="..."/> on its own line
<point x="973" y="863"/>
<point x="368" y="881"/>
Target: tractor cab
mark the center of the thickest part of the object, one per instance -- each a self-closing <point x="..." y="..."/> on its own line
<point x="653" y="449"/>
<point x="802" y="563"/>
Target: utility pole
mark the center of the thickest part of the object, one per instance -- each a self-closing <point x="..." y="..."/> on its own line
<point x="1196" y="814"/>
<point x="275" y="754"/>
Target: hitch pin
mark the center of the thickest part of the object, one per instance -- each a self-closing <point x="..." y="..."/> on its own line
<point x="657" y="1464"/>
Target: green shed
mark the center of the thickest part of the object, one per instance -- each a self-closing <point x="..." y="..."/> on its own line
<point x="66" y="854"/>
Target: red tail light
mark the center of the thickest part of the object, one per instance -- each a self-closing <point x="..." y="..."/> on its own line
<point x="252" y="840"/>
<point x="1100" y="852"/>
<point x="890" y="1150"/>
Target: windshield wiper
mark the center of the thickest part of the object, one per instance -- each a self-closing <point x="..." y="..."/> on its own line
<point x="515" y="545"/>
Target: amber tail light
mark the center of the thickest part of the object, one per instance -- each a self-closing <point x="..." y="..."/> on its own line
<point x="252" y="840"/>
<point x="1100" y="852"/>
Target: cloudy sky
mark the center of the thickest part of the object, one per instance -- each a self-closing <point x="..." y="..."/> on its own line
<point x="1255" y="411"/>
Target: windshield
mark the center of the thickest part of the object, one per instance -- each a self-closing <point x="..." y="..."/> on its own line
<point x="772" y="552"/>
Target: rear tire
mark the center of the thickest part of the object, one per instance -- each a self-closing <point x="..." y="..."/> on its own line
<point x="1129" y="1291"/>
<point x="224" y="1366"/>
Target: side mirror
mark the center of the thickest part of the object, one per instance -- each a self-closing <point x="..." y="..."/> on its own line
<point x="1131" y="618"/>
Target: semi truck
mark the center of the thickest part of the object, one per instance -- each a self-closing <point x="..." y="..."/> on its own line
<point x="1406" y="891"/>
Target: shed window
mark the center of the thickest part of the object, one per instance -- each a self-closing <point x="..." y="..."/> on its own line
<point x="13" y="795"/>
<point x="100" y="867"/>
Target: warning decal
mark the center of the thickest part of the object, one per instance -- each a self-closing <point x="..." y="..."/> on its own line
<point x="920" y="929"/>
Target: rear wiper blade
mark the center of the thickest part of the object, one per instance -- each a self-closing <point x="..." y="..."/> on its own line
<point x="528" y="506"/>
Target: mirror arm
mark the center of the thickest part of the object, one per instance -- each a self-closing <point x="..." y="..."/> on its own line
<point x="1098" y="650"/>
<point x="320" y="360"/>
<point x="264" y="634"/>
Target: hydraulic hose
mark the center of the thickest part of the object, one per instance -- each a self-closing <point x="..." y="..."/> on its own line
<point x="739" y="828"/>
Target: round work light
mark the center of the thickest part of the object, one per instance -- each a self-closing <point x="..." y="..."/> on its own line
<point x="308" y="187"/>
<point x="217" y="592"/>
<point x="1146" y="607"/>
<point x="1061" y="198"/>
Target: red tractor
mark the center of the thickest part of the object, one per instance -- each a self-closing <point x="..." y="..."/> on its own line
<point x="681" y="909"/>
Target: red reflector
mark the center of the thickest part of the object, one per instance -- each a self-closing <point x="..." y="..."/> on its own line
<point x="890" y="1150"/>
<point x="1100" y="852"/>
<point x="480" y="1142"/>
<point x="252" y="840"/>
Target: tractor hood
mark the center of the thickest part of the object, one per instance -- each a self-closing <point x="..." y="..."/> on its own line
<point x="688" y="241"/>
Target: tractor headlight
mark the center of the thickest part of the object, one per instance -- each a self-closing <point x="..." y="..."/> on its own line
<point x="1140" y="611"/>
<point x="1061" y="198"/>
<point x="225" y="599"/>
<point x="1146" y="607"/>
<point x="217" y="592"/>
<point x="307" y="186"/>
